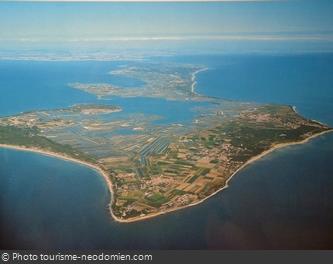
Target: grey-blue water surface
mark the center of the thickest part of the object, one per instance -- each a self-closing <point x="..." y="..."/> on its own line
<point x="283" y="201"/>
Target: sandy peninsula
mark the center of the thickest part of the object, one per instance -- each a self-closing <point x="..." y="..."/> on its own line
<point x="193" y="78"/>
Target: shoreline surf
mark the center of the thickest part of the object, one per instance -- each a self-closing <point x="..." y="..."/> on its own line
<point x="193" y="78"/>
<point x="140" y="218"/>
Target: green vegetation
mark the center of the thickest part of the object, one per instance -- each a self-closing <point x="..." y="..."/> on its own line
<point x="156" y="199"/>
<point x="159" y="168"/>
<point x="28" y="137"/>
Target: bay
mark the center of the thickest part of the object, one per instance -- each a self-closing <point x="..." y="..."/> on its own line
<point x="283" y="201"/>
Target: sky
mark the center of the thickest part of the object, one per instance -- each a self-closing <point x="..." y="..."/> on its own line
<point x="302" y="21"/>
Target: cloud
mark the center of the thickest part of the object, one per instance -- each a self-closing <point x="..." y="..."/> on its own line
<point x="233" y="37"/>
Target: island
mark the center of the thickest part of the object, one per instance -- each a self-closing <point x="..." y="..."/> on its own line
<point x="153" y="168"/>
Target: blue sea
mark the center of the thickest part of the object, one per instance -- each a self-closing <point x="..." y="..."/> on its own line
<point x="283" y="201"/>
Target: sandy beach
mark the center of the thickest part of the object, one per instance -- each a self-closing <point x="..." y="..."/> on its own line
<point x="250" y="161"/>
<point x="140" y="218"/>
<point x="194" y="75"/>
<point x="63" y="157"/>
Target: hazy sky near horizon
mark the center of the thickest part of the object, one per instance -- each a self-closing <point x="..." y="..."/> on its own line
<point x="288" y="20"/>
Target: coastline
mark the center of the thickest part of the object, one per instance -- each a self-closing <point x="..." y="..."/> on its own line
<point x="193" y="78"/>
<point x="70" y="159"/>
<point x="250" y="161"/>
<point x="141" y="218"/>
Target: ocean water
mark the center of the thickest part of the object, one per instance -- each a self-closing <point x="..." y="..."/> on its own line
<point x="304" y="81"/>
<point x="35" y="85"/>
<point x="283" y="201"/>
